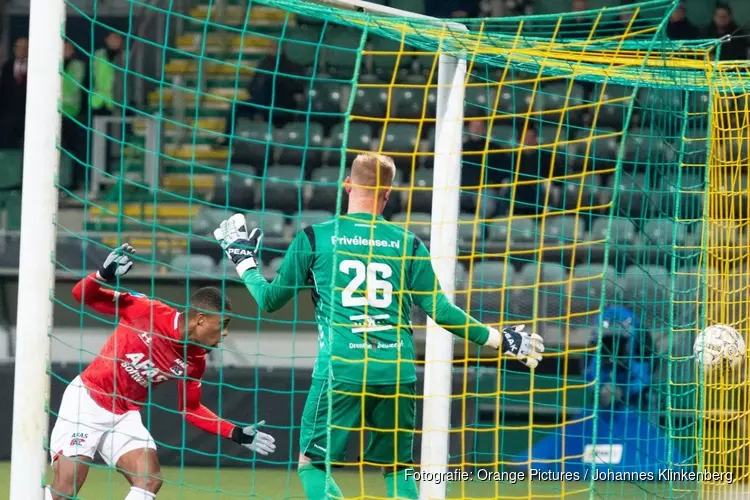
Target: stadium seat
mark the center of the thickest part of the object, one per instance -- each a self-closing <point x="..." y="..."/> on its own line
<point x="614" y="101"/>
<point x="386" y="60"/>
<point x="551" y="286"/>
<point x="687" y="189"/>
<point x="633" y="200"/>
<point x="647" y="293"/>
<point x="341" y="51"/>
<point x="563" y="230"/>
<point x="664" y="107"/>
<point x="492" y="272"/>
<point x="421" y="194"/>
<point x="590" y="282"/>
<point x="645" y="150"/>
<point x="310" y="217"/>
<point x="665" y="232"/>
<point x="580" y="192"/>
<point x="621" y="232"/>
<point x="12" y="206"/>
<point x="517" y="99"/>
<point x="470" y="229"/>
<point x="12" y="162"/>
<point x="370" y="101"/>
<point x="558" y="98"/>
<point x="326" y="100"/>
<point x="193" y="265"/>
<point x="503" y="137"/>
<point x="408" y="102"/>
<point x="301" y="45"/>
<point x="694" y="146"/>
<point x="300" y="144"/>
<point x="401" y="141"/>
<point x="208" y="219"/>
<point x="489" y="202"/>
<point x="270" y="270"/>
<point x="601" y="154"/>
<point x="488" y="295"/>
<point x="478" y="101"/>
<point x="325" y="189"/>
<point x="271" y="222"/>
<point x="252" y="142"/>
<point x="236" y="188"/>
<point x="357" y="141"/>
<point x="518" y="231"/>
<point x="281" y="189"/>
<point x="65" y="177"/>
<point x="417" y="223"/>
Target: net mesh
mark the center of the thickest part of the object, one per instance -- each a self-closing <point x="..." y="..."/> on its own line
<point x="602" y="165"/>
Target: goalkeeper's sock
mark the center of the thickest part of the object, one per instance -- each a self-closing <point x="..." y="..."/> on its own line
<point x="399" y="485"/>
<point x="317" y="484"/>
<point x="140" y="494"/>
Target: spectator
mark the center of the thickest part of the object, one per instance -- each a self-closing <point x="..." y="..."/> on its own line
<point x="722" y="25"/>
<point x="579" y="26"/>
<point x="275" y="85"/>
<point x="72" y="140"/>
<point x="679" y="27"/>
<point x="104" y="75"/>
<point x="13" y="96"/>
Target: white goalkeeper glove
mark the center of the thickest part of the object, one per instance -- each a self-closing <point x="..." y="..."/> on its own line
<point x="240" y="247"/>
<point x="253" y="439"/>
<point x="117" y="263"/>
<point x="524" y="346"/>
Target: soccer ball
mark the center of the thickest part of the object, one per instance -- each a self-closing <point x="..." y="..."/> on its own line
<point x="719" y="345"/>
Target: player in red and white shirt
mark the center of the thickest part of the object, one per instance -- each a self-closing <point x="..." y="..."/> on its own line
<point x="152" y="343"/>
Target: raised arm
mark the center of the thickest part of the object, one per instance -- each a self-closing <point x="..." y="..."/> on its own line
<point x="242" y="248"/>
<point x="427" y="293"/>
<point x="197" y="414"/>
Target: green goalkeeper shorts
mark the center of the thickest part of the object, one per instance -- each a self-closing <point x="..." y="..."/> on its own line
<point x="387" y="413"/>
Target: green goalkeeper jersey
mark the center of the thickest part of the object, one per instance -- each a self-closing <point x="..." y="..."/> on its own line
<point x="364" y="273"/>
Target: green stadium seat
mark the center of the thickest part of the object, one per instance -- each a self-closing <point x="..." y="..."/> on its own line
<point x="698" y="104"/>
<point x="401" y="138"/>
<point x="359" y="140"/>
<point x="518" y="231"/>
<point x="601" y="154"/>
<point x="647" y="293"/>
<point x="580" y="192"/>
<point x="408" y="102"/>
<point x="300" y="144"/>
<point x="208" y="219"/>
<point x="341" y="51"/>
<point x="561" y="97"/>
<point x="645" y="150"/>
<point x="370" y="102"/>
<point x="504" y="137"/>
<point x="12" y="162"/>
<point x="271" y="222"/>
<point x="281" y="189"/>
<point x="551" y="286"/>
<point x="301" y="45"/>
<point x="236" y="188"/>
<point x="686" y="189"/>
<point x="478" y="100"/>
<point x="327" y="99"/>
<point x="620" y="232"/>
<point x="591" y="282"/>
<point x="493" y="273"/>
<point x="487" y="298"/>
<point x="633" y="200"/>
<point x="193" y="265"/>
<point x="688" y="295"/>
<point x="563" y="230"/>
<point x="518" y="99"/>
<point x="611" y="114"/>
<point x="417" y="223"/>
<point x="470" y="229"/>
<point x="252" y="142"/>
<point x="388" y="62"/>
<point x="309" y="217"/>
<point x="13" y="211"/>
<point x="325" y="189"/>
<point x="421" y="195"/>
<point x="665" y="107"/>
<point x="665" y="232"/>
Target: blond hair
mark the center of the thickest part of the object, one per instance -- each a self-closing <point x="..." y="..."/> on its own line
<point x="373" y="172"/>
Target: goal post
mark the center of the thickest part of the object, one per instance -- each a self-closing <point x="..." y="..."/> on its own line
<point x="38" y="232"/>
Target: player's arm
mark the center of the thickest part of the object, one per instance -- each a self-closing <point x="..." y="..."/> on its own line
<point x="427" y="293"/>
<point x="92" y="292"/>
<point x="197" y="414"/>
<point x="242" y="248"/>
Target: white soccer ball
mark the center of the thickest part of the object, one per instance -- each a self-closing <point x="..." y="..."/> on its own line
<point x="719" y="345"/>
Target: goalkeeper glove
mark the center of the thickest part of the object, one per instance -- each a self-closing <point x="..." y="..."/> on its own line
<point x="117" y="263"/>
<point x="239" y="246"/>
<point x="253" y="439"/>
<point x="524" y="346"/>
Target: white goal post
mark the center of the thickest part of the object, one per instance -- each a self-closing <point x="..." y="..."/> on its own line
<point x="36" y="270"/>
<point x="446" y="181"/>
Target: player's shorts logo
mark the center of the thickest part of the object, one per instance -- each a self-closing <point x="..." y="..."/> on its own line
<point x="78" y="438"/>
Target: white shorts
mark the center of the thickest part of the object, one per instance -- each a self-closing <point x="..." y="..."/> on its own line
<point x="84" y="428"/>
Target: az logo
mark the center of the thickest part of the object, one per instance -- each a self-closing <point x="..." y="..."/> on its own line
<point x="177" y="371"/>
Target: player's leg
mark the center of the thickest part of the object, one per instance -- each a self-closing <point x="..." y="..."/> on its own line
<point x="130" y="448"/>
<point x="316" y="445"/>
<point x="77" y="432"/>
<point x="393" y="443"/>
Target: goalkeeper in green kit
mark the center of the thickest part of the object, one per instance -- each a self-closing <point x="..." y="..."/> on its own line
<point x="364" y="274"/>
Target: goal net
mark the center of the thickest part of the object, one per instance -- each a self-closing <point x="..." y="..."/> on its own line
<point x="602" y="166"/>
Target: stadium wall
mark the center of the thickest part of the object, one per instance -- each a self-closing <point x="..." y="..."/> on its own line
<point x="271" y="403"/>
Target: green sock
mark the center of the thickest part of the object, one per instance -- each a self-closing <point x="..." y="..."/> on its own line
<point x="317" y="484"/>
<point x="399" y="485"/>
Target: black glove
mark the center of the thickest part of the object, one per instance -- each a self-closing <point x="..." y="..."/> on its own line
<point x="526" y="347"/>
<point x="117" y="263"/>
<point x="240" y="247"/>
